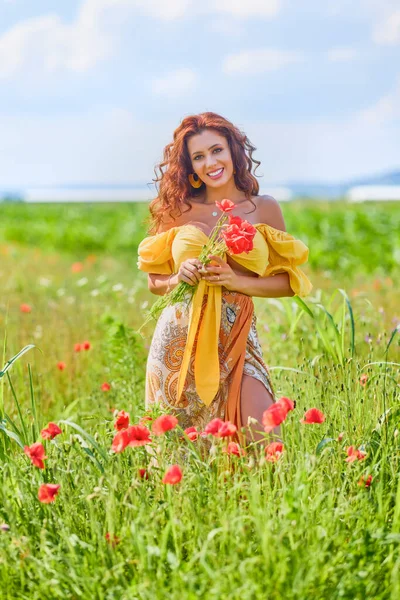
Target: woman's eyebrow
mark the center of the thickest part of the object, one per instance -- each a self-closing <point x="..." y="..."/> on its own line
<point x="199" y="151"/>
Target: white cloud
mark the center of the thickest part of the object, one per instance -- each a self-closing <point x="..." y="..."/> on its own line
<point x="385" y="110"/>
<point x="247" y="8"/>
<point x="387" y="31"/>
<point x="176" y="83"/>
<point x="344" y="54"/>
<point x="252" y="62"/>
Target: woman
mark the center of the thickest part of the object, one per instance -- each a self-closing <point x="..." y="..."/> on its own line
<point x="205" y="361"/>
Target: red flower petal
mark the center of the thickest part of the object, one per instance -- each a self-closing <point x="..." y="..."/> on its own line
<point x="234" y="448"/>
<point x="273" y="416"/>
<point x="313" y="415"/>
<point x="61" y="365"/>
<point x="163" y="424"/>
<point x="86" y="345"/>
<point x="220" y="428"/>
<point x="122" y="421"/>
<point x="287" y="403"/>
<point x="225" y="205"/>
<point x="192" y="433"/>
<point x="50" y="432"/>
<point x="106" y="387"/>
<point x="47" y="492"/>
<point x="25" y="308"/>
<point x="273" y="451"/>
<point x="173" y="475"/>
<point x="78" y="347"/>
<point x="36" y="454"/>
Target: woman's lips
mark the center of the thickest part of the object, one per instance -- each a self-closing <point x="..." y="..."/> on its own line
<point x="218" y="174"/>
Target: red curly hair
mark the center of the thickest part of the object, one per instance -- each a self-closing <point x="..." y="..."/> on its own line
<point x="174" y="188"/>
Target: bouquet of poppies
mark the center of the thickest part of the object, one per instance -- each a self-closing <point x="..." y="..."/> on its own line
<point x="230" y="234"/>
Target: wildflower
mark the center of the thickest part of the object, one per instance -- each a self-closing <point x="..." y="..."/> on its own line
<point x="135" y="435"/>
<point x="105" y="387"/>
<point x="86" y="345"/>
<point x="47" y="492"/>
<point x="163" y="424"/>
<point x="221" y="429"/>
<point x="50" y="432"/>
<point x="340" y="436"/>
<point x="61" y="365"/>
<point x="5" y="527"/>
<point x="78" y="347"/>
<point x="365" y="481"/>
<point x="192" y="433"/>
<point x="287" y="403"/>
<point x="353" y="454"/>
<point x="112" y="539"/>
<point x="76" y="267"/>
<point x="273" y="451"/>
<point x="143" y="474"/>
<point x="363" y="379"/>
<point x="173" y="475"/>
<point x="122" y="421"/>
<point x="225" y="205"/>
<point x="273" y="416"/>
<point x="313" y="415"/>
<point x="25" y="308"/>
<point x="36" y="454"/>
<point x="234" y="448"/>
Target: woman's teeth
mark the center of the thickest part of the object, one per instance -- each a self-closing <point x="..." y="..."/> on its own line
<point x="215" y="173"/>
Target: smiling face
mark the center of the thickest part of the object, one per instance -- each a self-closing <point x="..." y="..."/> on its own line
<point x="211" y="158"/>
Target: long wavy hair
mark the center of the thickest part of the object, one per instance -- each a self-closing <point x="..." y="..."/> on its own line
<point x="172" y="184"/>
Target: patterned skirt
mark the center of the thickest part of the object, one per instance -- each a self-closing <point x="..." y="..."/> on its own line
<point x="239" y="354"/>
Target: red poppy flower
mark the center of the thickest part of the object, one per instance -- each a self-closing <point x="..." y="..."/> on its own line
<point x="273" y="451"/>
<point x="106" y="387"/>
<point x="145" y="419"/>
<point x="163" y="424"/>
<point x="219" y="428"/>
<point x="365" y="481"/>
<point x="78" y="347"/>
<point x="173" y="475"/>
<point x="143" y="474"/>
<point x="36" y="454"/>
<point x="287" y="403"/>
<point x="273" y="416"/>
<point x="122" y="421"/>
<point x="313" y="416"/>
<point x="86" y="345"/>
<point x="225" y="205"/>
<point x="234" y="448"/>
<point x="61" y="365"/>
<point x="47" y="492"/>
<point x="192" y="433"/>
<point x="234" y="220"/>
<point x="25" y="308"/>
<point x="353" y="454"/>
<point x="112" y="539"/>
<point x="236" y="240"/>
<point x="135" y="435"/>
<point x="363" y="379"/>
<point x="76" y="267"/>
<point x="50" y="432"/>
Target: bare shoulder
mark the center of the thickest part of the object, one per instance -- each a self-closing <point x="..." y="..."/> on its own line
<point x="270" y="212"/>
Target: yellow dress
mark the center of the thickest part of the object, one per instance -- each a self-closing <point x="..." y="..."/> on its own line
<point x="200" y="352"/>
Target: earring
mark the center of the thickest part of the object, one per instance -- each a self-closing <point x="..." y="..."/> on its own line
<point x="196" y="183"/>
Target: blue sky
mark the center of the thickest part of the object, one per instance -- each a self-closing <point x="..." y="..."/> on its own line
<point x="91" y="90"/>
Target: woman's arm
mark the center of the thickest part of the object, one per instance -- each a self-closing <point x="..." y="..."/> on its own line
<point x="161" y="284"/>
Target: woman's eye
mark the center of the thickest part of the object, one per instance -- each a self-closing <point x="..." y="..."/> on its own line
<point x="200" y="155"/>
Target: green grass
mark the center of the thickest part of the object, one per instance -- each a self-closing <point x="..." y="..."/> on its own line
<point x="240" y="528"/>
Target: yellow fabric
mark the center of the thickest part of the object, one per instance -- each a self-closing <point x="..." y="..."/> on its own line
<point x="274" y="252"/>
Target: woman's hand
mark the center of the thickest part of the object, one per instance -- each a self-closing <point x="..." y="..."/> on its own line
<point x="189" y="271"/>
<point x="220" y="274"/>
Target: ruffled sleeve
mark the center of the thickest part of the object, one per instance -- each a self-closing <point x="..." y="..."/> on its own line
<point x="155" y="253"/>
<point x="285" y="254"/>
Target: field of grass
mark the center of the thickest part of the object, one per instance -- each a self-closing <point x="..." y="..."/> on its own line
<point x="308" y="526"/>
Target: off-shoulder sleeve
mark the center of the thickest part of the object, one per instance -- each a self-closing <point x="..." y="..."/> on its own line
<point x="155" y="253"/>
<point x="285" y="255"/>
